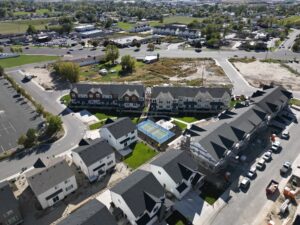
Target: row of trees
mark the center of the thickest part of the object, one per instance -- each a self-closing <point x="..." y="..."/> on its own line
<point x="67" y="70"/>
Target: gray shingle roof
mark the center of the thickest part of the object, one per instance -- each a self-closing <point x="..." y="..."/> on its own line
<point x="172" y="162"/>
<point x="42" y="179"/>
<point x="109" y="89"/>
<point x="133" y="190"/>
<point x="120" y="127"/>
<point x="176" y="92"/>
<point x="7" y="199"/>
<point x="92" y="213"/>
<point x="94" y="152"/>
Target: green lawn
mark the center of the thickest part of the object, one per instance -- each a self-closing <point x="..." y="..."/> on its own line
<point x="66" y="99"/>
<point x="125" y="26"/>
<point x="187" y="119"/>
<point x="42" y="11"/>
<point x="103" y="116"/>
<point x="96" y="125"/>
<point x="182" y="126"/>
<point x="180" y="223"/>
<point x="25" y="59"/>
<point x="20" y="26"/>
<point x="290" y="20"/>
<point x="135" y="120"/>
<point x="176" y="19"/>
<point x="141" y="154"/>
<point x="294" y="101"/>
<point x="21" y="13"/>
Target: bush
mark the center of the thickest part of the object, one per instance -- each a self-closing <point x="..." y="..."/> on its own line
<point x="68" y="70"/>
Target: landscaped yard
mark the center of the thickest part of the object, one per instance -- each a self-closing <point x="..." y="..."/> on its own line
<point x="182" y="126"/>
<point x="20" y="26"/>
<point x="188" y="119"/>
<point x="66" y="99"/>
<point x="97" y="125"/>
<point x="210" y="193"/>
<point x="103" y="116"/>
<point x="141" y="154"/>
<point x="25" y="59"/>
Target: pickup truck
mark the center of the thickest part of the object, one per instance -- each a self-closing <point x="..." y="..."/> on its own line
<point x="272" y="187"/>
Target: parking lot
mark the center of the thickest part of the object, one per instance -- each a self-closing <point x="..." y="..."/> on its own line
<point x="16" y="116"/>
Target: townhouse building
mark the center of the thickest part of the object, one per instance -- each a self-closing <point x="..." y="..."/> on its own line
<point x="214" y="145"/>
<point x="177" y="172"/>
<point x="178" y="30"/>
<point x="52" y="181"/>
<point x="140" y="197"/>
<point x="108" y="96"/>
<point x="94" y="159"/>
<point x="189" y="99"/>
<point x="120" y="134"/>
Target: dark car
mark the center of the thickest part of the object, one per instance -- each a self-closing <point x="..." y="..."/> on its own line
<point x="286" y="167"/>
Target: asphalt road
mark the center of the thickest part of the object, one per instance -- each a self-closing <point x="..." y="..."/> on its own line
<point x="74" y="129"/>
<point x="12" y="108"/>
<point x="243" y="208"/>
<point x="288" y="43"/>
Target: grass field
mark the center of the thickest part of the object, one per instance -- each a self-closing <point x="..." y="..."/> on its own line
<point x="290" y="20"/>
<point x="176" y="19"/>
<point x="182" y="126"/>
<point x="294" y="101"/>
<point x="20" y="26"/>
<point x="103" y="116"/>
<point x="187" y="119"/>
<point x="96" y="125"/>
<point x="141" y="153"/>
<point x="25" y="59"/>
<point x="66" y="99"/>
<point x="125" y="26"/>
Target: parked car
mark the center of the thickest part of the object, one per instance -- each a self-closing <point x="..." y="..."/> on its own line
<point x="276" y="146"/>
<point x="268" y="156"/>
<point x="286" y="167"/>
<point x="245" y="183"/>
<point x="252" y="172"/>
<point x="285" y="135"/>
<point x="260" y="165"/>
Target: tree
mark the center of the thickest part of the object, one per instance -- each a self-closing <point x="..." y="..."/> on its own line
<point x="95" y="43"/>
<point x="29" y="139"/>
<point x="22" y="140"/>
<point x="54" y="124"/>
<point x="138" y="44"/>
<point x="39" y="109"/>
<point x="31" y="29"/>
<point x="1" y="49"/>
<point x="1" y="71"/>
<point x="111" y="53"/>
<point x="67" y="70"/>
<point x="128" y="63"/>
<point x="151" y="47"/>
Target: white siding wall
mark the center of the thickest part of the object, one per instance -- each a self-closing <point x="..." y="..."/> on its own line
<point x="116" y="142"/>
<point x="120" y="203"/>
<point x="166" y="181"/>
<point x="105" y="161"/>
<point x="47" y="203"/>
<point x="79" y="163"/>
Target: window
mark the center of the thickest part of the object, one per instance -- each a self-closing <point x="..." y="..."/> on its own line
<point x="109" y="163"/>
<point x="69" y="187"/>
<point x="55" y="199"/>
<point x="159" y="172"/>
<point x="126" y="98"/>
<point x="67" y="181"/>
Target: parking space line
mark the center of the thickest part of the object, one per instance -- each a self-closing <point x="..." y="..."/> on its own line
<point x="4" y="128"/>
<point x="12" y="126"/>
<point x="2" y="148"/>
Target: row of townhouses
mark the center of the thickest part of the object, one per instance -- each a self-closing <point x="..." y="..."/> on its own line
<point x="164" y="99"/>
<point x="141" y="28"/>
<point x="177" y="30"/>
<point x="215" y="144"/>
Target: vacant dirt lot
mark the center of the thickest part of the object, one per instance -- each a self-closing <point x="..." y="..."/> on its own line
<point x="177" y="71"/>
<point x="257" y="73"/>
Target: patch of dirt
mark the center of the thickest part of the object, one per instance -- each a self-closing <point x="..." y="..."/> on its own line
<point x="257" y="73"/>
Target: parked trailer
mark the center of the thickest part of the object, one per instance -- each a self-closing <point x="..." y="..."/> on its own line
<point x="272" y="187"/>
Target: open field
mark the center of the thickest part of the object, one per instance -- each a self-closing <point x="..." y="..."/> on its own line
<point x="290" y="20"/>
<point x="125" y="26"/>
<point x="257" y="73"/>
<point x="20" y="26"/>
<point x="183" y="71"/>
<point x="25" y="59"/>
<point x="176" y="19"/>
<point x="141" y="154"/>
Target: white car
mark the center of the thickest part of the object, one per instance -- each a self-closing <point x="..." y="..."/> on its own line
<point x="276" y="146"/>
<point x="260" y="165"/>
<point x="267" y="156"/>
<point x="251" y="173"/>
<point x="245" y="183"/>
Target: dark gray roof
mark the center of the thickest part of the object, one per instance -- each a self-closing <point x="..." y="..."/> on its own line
<point x="92" y="213"/>
<point x="178" y="164"/>
<point x="120" y="127"/>
<point x="94" y="152"/>
<point x="109" y="89"/>
<point x="139" y="190"/>
<point x="188" y="91"/>
<point x="271" y="98"/>
<point x="42" y="179"/>
<point x="7" y="199"/>
<point x="232" y="126"/>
